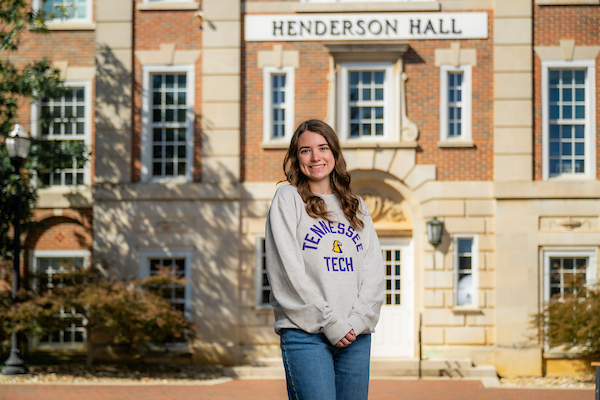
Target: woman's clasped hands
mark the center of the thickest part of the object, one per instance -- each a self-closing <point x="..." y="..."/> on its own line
<point x="347" y="340"/>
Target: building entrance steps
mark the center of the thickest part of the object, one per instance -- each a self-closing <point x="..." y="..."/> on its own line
<point x="272" y="368"/>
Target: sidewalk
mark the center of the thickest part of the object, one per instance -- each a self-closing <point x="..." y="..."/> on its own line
<point x="381" y="389"/>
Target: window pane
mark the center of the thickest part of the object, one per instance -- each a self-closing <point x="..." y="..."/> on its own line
<point x="366" y="94"/>
<point x="464" y="245"/>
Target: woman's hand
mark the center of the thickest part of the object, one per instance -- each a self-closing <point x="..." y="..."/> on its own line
<point x="347" y="340"/>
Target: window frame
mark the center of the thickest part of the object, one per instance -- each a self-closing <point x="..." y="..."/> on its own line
<point x="591" y="271"/>
<point x="34" y="256"/>
<point x="474" y="270"/>
<point x="260" y="270"/>
<point x="87" y="137"/>
<point x="590" y="118"/>
<point x="389" y="100"/>
<point x="466" y="107"/>
<point x="147" y="142"/>
<point x="39" y="5"/>
<point x="289" y="104"/>
<point x="145" y="257"/>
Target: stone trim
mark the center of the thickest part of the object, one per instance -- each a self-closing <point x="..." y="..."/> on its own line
<point x="467" y="5"/>
<point x="455" y="56"/>
<point x="297" y="7"/>
<point x="445" y="144"/>
<point x="74" y="73"/>
<point x="567" y="51"/>
<point x="56" y="26"/>
<point x="567" y="2"/>
<point x="167" y="55"/>
<point x="278" y="58"/>
<point x="183" y="5"/>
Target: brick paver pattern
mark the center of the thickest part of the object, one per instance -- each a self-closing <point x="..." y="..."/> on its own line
<point x="275" y="390"/>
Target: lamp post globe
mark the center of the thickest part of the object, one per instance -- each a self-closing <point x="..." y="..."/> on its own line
<point x="18" y="144"/>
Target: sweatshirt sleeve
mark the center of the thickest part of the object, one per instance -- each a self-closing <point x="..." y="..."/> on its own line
<point x="366" y="308"/>
<point x="293" y="291"/>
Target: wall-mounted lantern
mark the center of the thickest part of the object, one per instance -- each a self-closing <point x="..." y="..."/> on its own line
<point x="434" y="231"/>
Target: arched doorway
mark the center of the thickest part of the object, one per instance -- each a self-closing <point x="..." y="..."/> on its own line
<point x="393" y="220"/>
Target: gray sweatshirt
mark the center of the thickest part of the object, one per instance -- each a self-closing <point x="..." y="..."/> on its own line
<point x="325" y="276"/>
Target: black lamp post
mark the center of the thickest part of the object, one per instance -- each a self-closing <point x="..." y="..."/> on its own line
<point x="18" y="144"/>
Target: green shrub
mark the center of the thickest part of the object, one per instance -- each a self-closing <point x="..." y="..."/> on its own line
<point x="573" y="322"/>
<point x="129" y="312"/>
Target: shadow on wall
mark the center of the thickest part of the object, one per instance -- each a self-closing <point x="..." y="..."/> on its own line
<point x="133" y="222"/>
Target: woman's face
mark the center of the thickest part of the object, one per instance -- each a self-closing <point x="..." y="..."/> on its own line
<point x="316" y="161"/>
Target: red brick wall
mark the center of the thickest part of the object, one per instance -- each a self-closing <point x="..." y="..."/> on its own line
<point x="422" y="99"/>
<point x="151" y="29"/>
<point x="423" y="108"/>
<point x="75" y="47"/>
<point x="72" y="230"/>
<point x="551" y="25"/>
<point x="310" y="102"/>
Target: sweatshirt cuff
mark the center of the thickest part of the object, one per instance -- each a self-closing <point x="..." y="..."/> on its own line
<point x="336" y="331"/>
<point x="357" y="323"/>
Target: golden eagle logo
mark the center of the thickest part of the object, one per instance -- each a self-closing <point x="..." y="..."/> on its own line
<point x="337" y="247"/>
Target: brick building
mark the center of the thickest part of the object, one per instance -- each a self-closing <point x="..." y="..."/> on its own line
<point x="479" y="113"/>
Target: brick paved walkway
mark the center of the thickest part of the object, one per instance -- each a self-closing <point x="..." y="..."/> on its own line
<point x="275" y="390"/>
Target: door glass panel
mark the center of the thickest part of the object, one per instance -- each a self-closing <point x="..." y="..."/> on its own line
<point x="393" y="269"/>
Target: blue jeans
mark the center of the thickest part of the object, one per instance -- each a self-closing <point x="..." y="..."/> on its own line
<point x="317" y="370"/>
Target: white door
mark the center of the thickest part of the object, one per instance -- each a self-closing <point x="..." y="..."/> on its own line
<point x="394" y="334"/>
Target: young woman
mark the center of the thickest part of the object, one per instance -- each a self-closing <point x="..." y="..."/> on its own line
<point x="325" y="269"/>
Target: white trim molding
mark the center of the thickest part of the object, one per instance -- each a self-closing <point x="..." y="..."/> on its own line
<point x="465" y="136"/>
<point x="147" y="141"/>
<point x="287" y="106"/>
<point x="589" y="119"/>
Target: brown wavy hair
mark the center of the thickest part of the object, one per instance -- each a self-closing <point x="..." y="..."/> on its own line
<point x="339" y="177"/>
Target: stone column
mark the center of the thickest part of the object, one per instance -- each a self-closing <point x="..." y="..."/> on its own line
<point x="221" y="98"/>
<point x="513" y="97"/>
<point x="114" y="19"/>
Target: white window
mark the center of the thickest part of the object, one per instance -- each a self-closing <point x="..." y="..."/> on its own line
<point x="568" y="119"/>
<point x="567" y="272"/>
<point x="66" y="10"/>
<point x="48" y="268"/>
<point x="366" y="101"/>
<point x="278" y="104"/>
<point x="177" y="264"/>
<point x="455" y="103"/>
<point x="66" y="119"/>
<point x="465" y="271"/>
<point x="167" y="123"/>
<point x="263" y="289"/>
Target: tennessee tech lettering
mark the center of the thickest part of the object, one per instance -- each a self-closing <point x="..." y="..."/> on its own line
<point x="334" y="235"/>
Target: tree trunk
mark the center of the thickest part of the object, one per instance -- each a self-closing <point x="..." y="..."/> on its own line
<point x="89" y="362"/>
